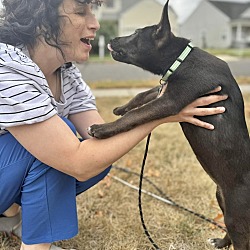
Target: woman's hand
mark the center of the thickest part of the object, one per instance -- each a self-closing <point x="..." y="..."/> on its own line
<point x="196" y="109"/>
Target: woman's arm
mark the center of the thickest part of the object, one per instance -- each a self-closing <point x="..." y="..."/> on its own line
<point x="83" y="120"/>
<point x="53" y="143"/>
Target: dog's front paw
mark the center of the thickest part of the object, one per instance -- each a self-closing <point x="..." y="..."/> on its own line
<point x="100" y="131"/>
<point x="120" y="111"/>
<point x="219" y="243"/>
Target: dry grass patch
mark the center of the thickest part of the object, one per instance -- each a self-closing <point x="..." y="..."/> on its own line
<point x="241" y="80"/>
<point x="108" y="213"/>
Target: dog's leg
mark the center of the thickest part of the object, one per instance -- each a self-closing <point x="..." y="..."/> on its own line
<point x="237" y="216"/>
<point x="226" y="241"/>
<point x="221" y="243"/>
<point x="137" y="101"/>
<point x="156" y="109"/>
<point x="240" y="240"/>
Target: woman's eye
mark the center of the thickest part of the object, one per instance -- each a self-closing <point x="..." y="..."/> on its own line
<point x="81" y="13"/>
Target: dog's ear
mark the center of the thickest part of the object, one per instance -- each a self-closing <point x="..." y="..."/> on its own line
<point x="163" y="32"/>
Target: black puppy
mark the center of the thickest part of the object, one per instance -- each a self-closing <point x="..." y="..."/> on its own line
<point x="223" y="153"/>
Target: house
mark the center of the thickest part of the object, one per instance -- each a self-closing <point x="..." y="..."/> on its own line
<point x="239" y="14"/>
<point x="209" y="23"/>
<point x="143" y="13"/>
<point x="218" y="24"/>
<point x="131" y="14"/>
<point x="207" y="26"/>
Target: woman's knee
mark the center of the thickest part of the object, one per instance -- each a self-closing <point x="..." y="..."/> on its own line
<point x="85" y="185"/>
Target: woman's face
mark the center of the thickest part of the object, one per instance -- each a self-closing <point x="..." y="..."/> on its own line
<point x="79" y="27"/>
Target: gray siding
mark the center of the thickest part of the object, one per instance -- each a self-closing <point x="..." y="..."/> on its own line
<point x="207" y="27"/>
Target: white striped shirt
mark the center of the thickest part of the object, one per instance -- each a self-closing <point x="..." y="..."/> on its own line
<point x="25" y="96"/>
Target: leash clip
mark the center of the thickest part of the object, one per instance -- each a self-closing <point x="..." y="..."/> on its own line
<point x="163" y="82"/>
<point x="162" y="85"/>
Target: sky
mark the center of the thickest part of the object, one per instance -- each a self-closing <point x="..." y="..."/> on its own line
<point x="183" y="8"/>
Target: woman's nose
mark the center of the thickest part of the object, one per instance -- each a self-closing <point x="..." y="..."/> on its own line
<point x="93" y="23"/>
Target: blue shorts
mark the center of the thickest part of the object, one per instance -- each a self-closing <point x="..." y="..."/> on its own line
<point x="47" y="196"/>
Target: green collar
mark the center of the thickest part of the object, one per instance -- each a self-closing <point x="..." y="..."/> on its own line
<point x="178" y="62"/>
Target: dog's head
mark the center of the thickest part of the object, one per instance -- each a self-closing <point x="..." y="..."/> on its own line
<point x="148" y="47"/>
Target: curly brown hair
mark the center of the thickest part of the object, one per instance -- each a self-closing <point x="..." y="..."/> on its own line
<point x="23" y="21"/>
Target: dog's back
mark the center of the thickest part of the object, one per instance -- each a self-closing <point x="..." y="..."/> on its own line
<point x="224" y="153"/>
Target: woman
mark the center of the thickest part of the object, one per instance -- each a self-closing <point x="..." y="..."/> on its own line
<point x="43" y="102"/>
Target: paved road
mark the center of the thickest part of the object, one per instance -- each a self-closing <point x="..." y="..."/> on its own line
<point x="113" y="71"/>
<point x="240" y="67"/>
<point x="119" y="71"/>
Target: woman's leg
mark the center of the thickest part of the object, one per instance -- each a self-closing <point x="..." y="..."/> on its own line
<point x="12" y="211"/>
<point x="47" y="196"/>
<point x="14" y="164"/>
<point x="11" y="221"/>
<point x="85" y="185"/>
<point x="48" y="205"/>
<point x="48" y="202"/>
<point x="60" y="218"/>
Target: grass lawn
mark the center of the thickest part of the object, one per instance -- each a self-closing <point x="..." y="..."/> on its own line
<point x="108" y="213"/>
